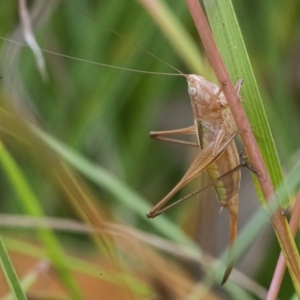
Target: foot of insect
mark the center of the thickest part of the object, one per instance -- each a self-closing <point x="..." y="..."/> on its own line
<point x="244" y="163"/>
<point x="285" y="211"/>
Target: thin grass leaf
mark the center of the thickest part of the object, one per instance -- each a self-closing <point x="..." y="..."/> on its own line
<point x="10" y="274"/>
<point x="32" y="207"/>
<point x="31" y="277"/>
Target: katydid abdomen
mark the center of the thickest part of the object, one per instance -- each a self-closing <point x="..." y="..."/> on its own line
<point x="227" y="189"/>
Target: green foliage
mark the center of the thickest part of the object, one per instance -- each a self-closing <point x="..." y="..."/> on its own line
<point x="10" y="274"/>
<point x="102" y="116"/>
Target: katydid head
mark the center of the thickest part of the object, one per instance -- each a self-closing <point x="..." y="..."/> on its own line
<point x="205" y="96"/>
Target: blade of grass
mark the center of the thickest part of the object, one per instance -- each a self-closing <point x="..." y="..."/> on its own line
<point x="10" y="274"/>
<point x="31" y="206"/>
<point x="31" y="277"/>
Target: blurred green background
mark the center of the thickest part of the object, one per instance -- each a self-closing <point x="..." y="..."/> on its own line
<point x="106" y="115"/>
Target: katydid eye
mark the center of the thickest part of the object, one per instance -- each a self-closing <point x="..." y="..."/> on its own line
<point x="192" y="91"/>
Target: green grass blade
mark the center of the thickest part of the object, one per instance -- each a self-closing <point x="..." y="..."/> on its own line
<point x="10" y="274"/>
<point x="31" y="277"/>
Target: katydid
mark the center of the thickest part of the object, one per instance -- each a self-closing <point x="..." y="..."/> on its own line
<point x="215" y="131"/>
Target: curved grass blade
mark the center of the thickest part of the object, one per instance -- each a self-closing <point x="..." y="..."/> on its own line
<point x="10" y="274"/>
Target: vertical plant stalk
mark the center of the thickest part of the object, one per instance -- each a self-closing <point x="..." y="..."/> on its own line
<point x="281" y="265"/>
<point x="280" y="225"/>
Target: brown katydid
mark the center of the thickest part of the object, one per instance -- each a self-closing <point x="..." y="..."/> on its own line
<point x="215" y="131"/>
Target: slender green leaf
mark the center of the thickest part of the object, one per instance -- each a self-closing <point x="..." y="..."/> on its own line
<point x="10" y="274"/>
<point x="31" y="277"/>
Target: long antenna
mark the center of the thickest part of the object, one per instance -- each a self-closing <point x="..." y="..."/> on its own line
<point x="125" y="39"/>
<point x="93" y="62"/>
